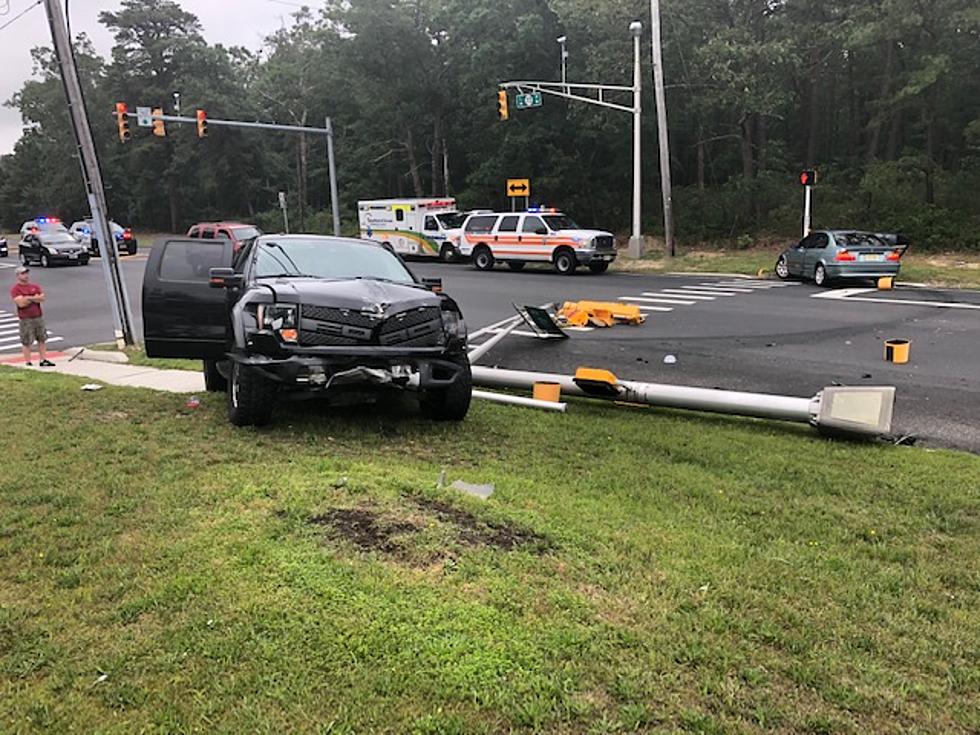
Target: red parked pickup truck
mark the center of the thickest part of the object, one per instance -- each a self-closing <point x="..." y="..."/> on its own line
<point x="237" y="232"/>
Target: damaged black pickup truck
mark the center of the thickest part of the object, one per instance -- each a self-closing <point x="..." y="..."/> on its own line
<point x="305" y="315"/>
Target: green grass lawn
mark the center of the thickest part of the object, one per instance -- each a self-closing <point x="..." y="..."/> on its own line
<point x="959" y="270"/>
<point x="635" y="570"/>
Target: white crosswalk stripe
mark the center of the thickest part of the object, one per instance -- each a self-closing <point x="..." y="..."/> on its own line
<point x="712" y="287"/>
<point x="10" y="333"/>
<point x="652" y="299"/>
<point x="667" y="299"/>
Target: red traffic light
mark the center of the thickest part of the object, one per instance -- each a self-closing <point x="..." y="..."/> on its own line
<point x="808" y="177"/>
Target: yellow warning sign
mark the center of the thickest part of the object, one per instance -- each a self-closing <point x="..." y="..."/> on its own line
<point x="518" y="187"/>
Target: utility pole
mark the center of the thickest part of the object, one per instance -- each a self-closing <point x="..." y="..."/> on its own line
<point x="658" y="86"/>
<point x="636" y="240"/>
<point x="334" y="204"/>
<point x="91" y="175"/>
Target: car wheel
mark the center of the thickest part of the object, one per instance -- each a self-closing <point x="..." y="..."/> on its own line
<point x="451" y="403"/>
<point x="250" y="396"/>
<point x="447" y="253"/>
<point x="483" y="258"/>
<point x="820" y="275"/>
<point x="214" y="381"/>
<point x="565" y="262"/>
<point x="131" y="250"/>
<point x="45" y="263"/>
<point x="782" y="267"/>
<point x="598" y="267"/>
<point x="24" y="260"/>
<point x="516" y="265"/>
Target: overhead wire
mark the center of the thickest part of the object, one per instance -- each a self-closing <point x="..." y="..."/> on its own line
<point x="21" y="14"/>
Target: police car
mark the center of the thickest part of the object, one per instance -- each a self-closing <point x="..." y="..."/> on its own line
<point x="83" y="232"/>
<point x="535" y="236"/>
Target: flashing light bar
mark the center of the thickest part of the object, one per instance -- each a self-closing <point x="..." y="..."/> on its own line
<point x="47" y="220"/>
<point x="544" y="210"/>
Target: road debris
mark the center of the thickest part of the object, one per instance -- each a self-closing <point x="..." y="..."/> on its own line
<point x="599" y="314"/>
<point x="670" y="359"/>
<point x="477" y="491"/>
<point x="92" y="386"/>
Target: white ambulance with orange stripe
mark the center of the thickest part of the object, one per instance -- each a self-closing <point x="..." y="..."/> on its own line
<point x="412" y="226"/>
<point x="534" y="236"/>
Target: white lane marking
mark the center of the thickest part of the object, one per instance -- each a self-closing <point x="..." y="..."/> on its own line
<point x="677" y="294"/>
<point x="714" y="287"/>
<point x="700" y="291"/>
<point x="7" y="265"/>
<point x="7" y="332"/>
<point x="648" y="300"/>
<point x="851" y="294"/>
<point x="48" y="341"/>
<point x="643" y="307"/>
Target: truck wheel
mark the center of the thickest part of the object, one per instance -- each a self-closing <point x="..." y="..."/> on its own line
<point x="483" y="258"/>
<point x="250" y="396"/>
<point x="565" y="262"/>
<point x="599" y="267"/>
<point x="214" y="381"/>
<point x="452" y="403"/>
<point x="447" y="253"/>
<point x="516" y="265"/>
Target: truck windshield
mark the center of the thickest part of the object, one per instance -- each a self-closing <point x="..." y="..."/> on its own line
<point x="561" y="222"/>
<point x="330" y="259"/>
<point x="450" y="220"/>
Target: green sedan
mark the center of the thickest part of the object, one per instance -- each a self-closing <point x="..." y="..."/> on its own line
<point x="831" y="255"/>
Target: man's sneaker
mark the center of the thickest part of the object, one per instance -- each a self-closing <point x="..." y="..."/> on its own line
<point x="46" y="363"/>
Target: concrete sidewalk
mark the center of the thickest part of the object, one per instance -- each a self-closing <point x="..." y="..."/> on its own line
<point x="132" y="376"/>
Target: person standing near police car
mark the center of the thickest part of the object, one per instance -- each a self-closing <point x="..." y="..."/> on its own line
<point x="28" y="298"/>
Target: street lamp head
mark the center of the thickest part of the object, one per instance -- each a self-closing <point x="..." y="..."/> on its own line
<point x="635" y="28"/>
<point x="561" y="39"/>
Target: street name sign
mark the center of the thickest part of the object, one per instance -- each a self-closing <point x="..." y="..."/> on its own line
<point x="524" y="101"/>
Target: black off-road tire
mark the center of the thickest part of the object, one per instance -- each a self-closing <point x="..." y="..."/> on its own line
<point x="599" y="267"/>
<point x="565" y="262"/>
<point x="452" y="403"/>
<point x="516" y="265"/>
<point x="483" y="258"/>
<point x="250" y="396"/>
<point x="214" y="381"/>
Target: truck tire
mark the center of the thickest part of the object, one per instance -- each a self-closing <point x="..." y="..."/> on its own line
<point x="250" y="396"/>
<point x="214" y="381"/>
<point x="482" y="258"/>
<point x="447" y="253"/>
<point x="452" y="403"/>
<point x="565" y="262"/>
<point x="599" y="267"/>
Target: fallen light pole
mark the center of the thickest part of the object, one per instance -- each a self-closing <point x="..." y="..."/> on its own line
<point x="864" y="411"/>
<point x="510" y="400"/>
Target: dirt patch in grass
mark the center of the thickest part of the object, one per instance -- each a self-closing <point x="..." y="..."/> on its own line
<point x="370" y="529"/>
<point x="475" y="531"/>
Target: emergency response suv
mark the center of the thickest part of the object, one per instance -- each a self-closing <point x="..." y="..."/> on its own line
<point x="535" y="236"/>
<point x="305" y="315"/>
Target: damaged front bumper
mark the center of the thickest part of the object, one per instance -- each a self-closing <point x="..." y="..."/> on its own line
<point x="322" y="368"/>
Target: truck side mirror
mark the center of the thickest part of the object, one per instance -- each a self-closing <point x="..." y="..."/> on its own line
<point x="433" y="284"/>
<point x="225" y="278"/>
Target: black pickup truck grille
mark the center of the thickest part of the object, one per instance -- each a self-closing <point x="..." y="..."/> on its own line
<point x="604" y="242"/>
<point x="328" y="326"/>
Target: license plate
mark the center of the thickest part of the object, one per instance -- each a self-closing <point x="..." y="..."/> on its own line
<point x="72" y="256"/>
<point x="874" y="257"/>
<point x="602" y="257"/>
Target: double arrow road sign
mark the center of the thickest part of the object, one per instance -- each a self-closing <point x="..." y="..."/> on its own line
<point x="518" y="187"/>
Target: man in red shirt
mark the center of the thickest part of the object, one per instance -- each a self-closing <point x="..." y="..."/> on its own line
<point x="28" y="297"/>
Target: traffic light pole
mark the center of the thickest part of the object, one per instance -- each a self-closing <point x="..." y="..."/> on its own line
<point x="327" y="130"/>
<point x="584" y="93"/>
<point x="91" y="175"/>
<point x="806" y="209"/>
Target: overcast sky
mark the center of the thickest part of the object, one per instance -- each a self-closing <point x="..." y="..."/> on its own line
<point x="230" y="22"/>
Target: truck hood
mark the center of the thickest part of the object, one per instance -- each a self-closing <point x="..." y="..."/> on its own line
<point x="357" y="295"/>
<point x="583" y="234"/>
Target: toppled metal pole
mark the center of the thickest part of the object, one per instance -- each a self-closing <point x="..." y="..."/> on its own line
<point x="855" y="410"/>
<point x="519" y="401"/>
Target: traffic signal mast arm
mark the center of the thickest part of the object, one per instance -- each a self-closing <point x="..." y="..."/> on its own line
<point x="238" y="124"/>
<point x="566" y="90"/>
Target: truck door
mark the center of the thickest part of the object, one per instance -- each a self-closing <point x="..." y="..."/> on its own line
<point x="182" y="315"/>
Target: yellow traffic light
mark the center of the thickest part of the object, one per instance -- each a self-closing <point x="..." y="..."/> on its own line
<point x="502" y="111"/>
<point x="158" y="128"/>
<point x="202" y="124"/>
<point x="122" y="122"/>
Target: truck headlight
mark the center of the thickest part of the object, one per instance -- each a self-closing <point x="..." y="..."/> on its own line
<point x="281" y="318"/>
<point x="453" y="324"/>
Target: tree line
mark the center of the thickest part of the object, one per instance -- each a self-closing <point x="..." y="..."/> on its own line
<point x="882" y="97"/>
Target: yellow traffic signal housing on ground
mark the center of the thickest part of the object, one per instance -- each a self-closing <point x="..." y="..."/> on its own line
<point x="158" y="129"/>
<point x="122" y="122"/>
<point x="202" y="124"/>
<point x="502" y="111"/>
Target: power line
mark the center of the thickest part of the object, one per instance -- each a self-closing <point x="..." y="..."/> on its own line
<point x="21" y="13"/>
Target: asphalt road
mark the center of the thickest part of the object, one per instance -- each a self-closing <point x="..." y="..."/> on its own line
<point x="756" y="337"/>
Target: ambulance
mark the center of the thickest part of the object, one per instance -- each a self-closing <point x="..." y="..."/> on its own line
<point x="422" y="227"/>
<point x="539" y="235"/>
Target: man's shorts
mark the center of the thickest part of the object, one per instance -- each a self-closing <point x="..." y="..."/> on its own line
<point x="32" y="330"/>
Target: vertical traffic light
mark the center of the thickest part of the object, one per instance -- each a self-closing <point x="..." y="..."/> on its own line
<point x="122" y="122"/>
<point x="202" y="124"/>
<point x="808" y="177"/>
<point x="158" y="129"/>
<point x="502" y="111"/>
